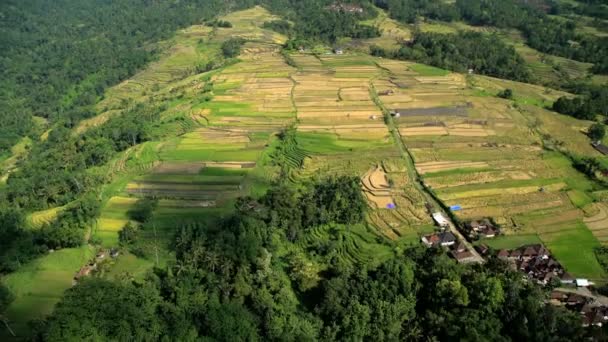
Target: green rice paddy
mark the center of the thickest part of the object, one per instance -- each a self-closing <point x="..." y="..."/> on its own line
<point x="427" y="70"/>
<point x="39" y="285"/>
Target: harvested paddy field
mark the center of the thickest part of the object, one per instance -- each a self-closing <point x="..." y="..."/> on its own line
<point x="220" y="148"/>
<point x="340" y="128"/>
<point x="484" y="155"/>
<point x="598" y="223"/>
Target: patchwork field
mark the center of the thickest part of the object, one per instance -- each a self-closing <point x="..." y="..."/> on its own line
<point x="229" y="116"/>
<point x="392" y="33"/>
<point x="341" y="129"/>
<point x="486" y="156"/>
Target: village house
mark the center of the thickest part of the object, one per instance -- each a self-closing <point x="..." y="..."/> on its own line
<point x="101" y="255"/>
<point x="114" y="253"/>
<point x="443" y="239"/>
<point x="462" y="254"/>
<point x="535" y="262"/>
<point x="481" y="229"/>
<point x="386" y="92"/>
<point x="603" y="149"/>
<point x="592" y="311"/>
<point x="84" y="272"/>
<point x="597" y="316"/>
<point x="482" y="249"/>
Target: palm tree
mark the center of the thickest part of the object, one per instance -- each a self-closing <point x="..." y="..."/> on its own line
<point x="198" y="251"/>
<point x="212" y="260"/>
<point x="226" y="266"/>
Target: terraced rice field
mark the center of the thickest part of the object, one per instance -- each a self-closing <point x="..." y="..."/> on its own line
<point x="354" y="244"/>
<point x="341" y="129"/>
<point x="219" y="146"/>
<point x="392" y="33"/>
<point x="486" y="155"/>
<point x="598" y="223"/>
<point x="39" y="285"/>
<point x="546" y="68"/>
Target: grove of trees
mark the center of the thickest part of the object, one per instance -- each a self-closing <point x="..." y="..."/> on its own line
<point x="463" y="51"/>
<point x="234" y="280"/>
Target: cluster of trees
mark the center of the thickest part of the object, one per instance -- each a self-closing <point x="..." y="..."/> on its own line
<point x="506" y="93"/>
<point x="56" y="58"/>
<point x="232" y="47"/>
<point x="279" y="25"/>
<point x="590" y="166"/>
<point x="6" y="297"/>
<point x="592" y="8"/>
<point x="18" y="244"/>
<point x="408" y="11"/>
<point x="219" y="23"/>
<point x="61" y="172"/>
<point x="56" y="171"/>
<point x="336" y="200"/>
<point x="542" y="32"/>
<point x="592" y="101"/>
<point x="597" y="131"/>
<point x="238" y="279"/>
<point x="315" y="20"/>
<point x="462" y="51"/>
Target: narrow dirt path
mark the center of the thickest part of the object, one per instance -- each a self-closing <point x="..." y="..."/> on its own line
<point x="413" y="173"/>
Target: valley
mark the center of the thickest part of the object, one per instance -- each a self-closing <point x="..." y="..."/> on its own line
<point x="419" y="138"/>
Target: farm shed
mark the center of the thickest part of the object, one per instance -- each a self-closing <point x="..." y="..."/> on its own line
<point x="463" y="256"/>
<point x="580" y="282"/>
<point x="441" y="220"/>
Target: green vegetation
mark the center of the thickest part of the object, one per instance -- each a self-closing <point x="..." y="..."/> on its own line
<point x="597" y="131"/>
<point x="580" y="260"/>
<point x="413" y="284"/>
<point x="511" y="241"/>
<point x="239" y="169"/>
<point x="463" y="51"/>
<point x="594" y="101"/>
<point x="39" y="285"/>
<point x="427" y="70"/>
<point x="506" y="94"/>
<point x="232" y="47"/>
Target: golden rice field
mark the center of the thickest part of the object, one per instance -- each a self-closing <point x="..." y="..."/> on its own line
<point x="217" y="153"/>
<point x="485" y="154"/>
<point x="471" y="149"/>
<point x="342" y="129"/>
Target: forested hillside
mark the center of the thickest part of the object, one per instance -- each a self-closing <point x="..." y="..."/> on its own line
<point x="266" y="169"/>
<point x="241" y="279"/>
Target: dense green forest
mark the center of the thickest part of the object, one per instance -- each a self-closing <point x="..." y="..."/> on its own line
<point x="58" y="57"/>
<point x="460" y="52"/>
<point x="542" y="32"/>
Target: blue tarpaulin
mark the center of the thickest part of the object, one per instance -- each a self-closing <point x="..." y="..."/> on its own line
<point x="390" y="206"/>
<point x="455" y="207"/>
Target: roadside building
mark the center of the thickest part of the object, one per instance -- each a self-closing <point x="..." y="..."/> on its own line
<point x="444" y="239"/>
<point x="441" y="220"/>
